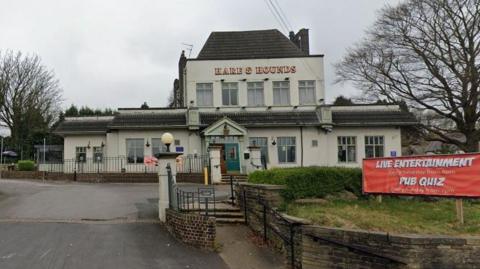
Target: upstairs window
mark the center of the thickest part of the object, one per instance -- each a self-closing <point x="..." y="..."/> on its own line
<point x="255" y="93"/>
<point x="135" y="150"/>
<point x="306" y="92"/>
<point x="281" y="93"/>
<point x="347" y="149"/>
<point x="230" y="93"/>
<point x="374" y="146"/>
<point x="204" y="94"/>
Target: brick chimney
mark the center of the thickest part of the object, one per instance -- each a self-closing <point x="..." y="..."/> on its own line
<point x="301" y="39"/>
<point x="179" y="95"/>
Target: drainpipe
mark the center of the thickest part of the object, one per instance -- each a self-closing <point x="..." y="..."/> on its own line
<point x="301" y="146"/>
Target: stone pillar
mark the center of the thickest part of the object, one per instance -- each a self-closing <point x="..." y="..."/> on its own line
<point x="164" y="189"/>
<point x="255" y="161"/>
<point x="215" y="169"/>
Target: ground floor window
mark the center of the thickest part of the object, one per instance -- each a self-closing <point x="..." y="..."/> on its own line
<point x="97" y="154"/>
<point x="158" y="146"/>
<point x="135" y="150"/>
<point x="347" y="149"/>
<point x="286" y="149"/>
<point x="81" y="154"/>
<point x="374" y="146"/>
<point x="261" y="142"/>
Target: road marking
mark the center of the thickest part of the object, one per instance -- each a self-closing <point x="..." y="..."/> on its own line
<point x="46" y="252"/>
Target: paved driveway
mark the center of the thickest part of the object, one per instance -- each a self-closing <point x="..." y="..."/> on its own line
<point x="66" y="225"/>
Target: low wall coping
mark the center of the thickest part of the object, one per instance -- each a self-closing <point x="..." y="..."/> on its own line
<point x="263" y="186"/>
<point x="402" y="238"/>
<point x="296" y="220"/>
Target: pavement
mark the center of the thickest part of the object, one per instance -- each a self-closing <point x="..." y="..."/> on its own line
<point x="239" y="251"/>
<point x="78" y="246"/>
<point x="82" y="225"/>
<point x="75" y="225"/>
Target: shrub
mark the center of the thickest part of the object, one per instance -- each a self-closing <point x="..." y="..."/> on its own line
<point x="307" y="182"/>
<point x="26" y="165"/>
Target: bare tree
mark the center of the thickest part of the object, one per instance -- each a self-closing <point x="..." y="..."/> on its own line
<point x="30" y="95"/>
<point x="427" y="53"/>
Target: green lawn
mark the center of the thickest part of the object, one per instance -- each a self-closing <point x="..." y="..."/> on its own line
<point x="392" y="215"/>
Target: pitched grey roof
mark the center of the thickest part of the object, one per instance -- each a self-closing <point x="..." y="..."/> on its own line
<point x="373" y="118"/>
<point x="86" y="125"/>
<point x="174" y="119"/>
<point x="263" y="118"/>
<point x="148" y="120"/>
<point x="248" y="45"/>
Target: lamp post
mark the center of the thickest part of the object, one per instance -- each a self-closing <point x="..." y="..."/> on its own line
<point x="167" y="139"/>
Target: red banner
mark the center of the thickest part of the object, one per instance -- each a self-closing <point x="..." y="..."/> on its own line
<point x="435" y="175"/>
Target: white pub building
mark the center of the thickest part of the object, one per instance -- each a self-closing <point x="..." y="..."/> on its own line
<point x="249" y="100"/>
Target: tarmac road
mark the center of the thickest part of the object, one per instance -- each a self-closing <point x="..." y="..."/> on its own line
<point x="75" y="225"/>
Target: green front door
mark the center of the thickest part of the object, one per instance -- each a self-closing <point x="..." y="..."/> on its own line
<point x="232" y="157"/>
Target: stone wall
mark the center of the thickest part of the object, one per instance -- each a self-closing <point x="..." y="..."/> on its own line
<point x="192" y="229"/>
<point x="318" y="247"/>
<point x="280" y="228"/>
<point x="83" y="177"/>
<point x="342" y="248"/>
<point x="190" y="178"/>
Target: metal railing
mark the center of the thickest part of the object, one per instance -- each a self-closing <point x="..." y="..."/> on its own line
<point x="192" y="163"/>
<point x="105" y="165"/>
<point x="200" y="200"/>
<point x="270" y="226"/>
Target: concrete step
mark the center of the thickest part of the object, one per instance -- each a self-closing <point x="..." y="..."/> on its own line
<point x="225" y="215"/>
<point x="230" y="221"/>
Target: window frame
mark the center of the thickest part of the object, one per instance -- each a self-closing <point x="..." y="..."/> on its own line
<point x="136" y="158"/>
<point x="204" y="89"/>
<point x="226" y="87"/>
<point x="161" y="147"/>
<point x="96" y="153"/>
<point x="374" y="142"/>
<point x="279" y="89"/>
<point x="347" y="142"/>
<point x="309" y="100"/>
<point x="82" y="152"/>
<point x="252" y="141"/>
<point x="258" y="89"/>
<point x="290" y="148"/>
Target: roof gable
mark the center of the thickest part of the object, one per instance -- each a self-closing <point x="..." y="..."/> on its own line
<point x="248" y="45"/>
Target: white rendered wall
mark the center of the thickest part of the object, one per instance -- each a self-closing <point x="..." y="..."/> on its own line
<point x="307" y="68"/>
<point x="326" y="153"/>
<point x="72" y="141"/>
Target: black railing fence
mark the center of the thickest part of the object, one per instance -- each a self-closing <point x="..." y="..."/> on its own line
<point x="192" y="163"/>
<point x="272" y="223"/>
<point x="103" y="165"/>
<point x="200" y="200"/>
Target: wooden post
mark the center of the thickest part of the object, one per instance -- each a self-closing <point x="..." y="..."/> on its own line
<point x="459" y="209"/>
<point x="379" y="198"/>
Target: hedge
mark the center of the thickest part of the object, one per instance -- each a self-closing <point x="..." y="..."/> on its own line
<point x="26" y="165"/>
<point x="311" y="182"/>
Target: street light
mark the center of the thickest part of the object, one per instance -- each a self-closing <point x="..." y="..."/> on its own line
<point x="167" y="139"/>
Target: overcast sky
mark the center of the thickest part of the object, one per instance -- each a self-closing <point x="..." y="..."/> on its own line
<point x="113" y="53"/>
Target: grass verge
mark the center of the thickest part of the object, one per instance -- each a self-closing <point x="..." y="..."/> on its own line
<point x="397" y="215"/>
